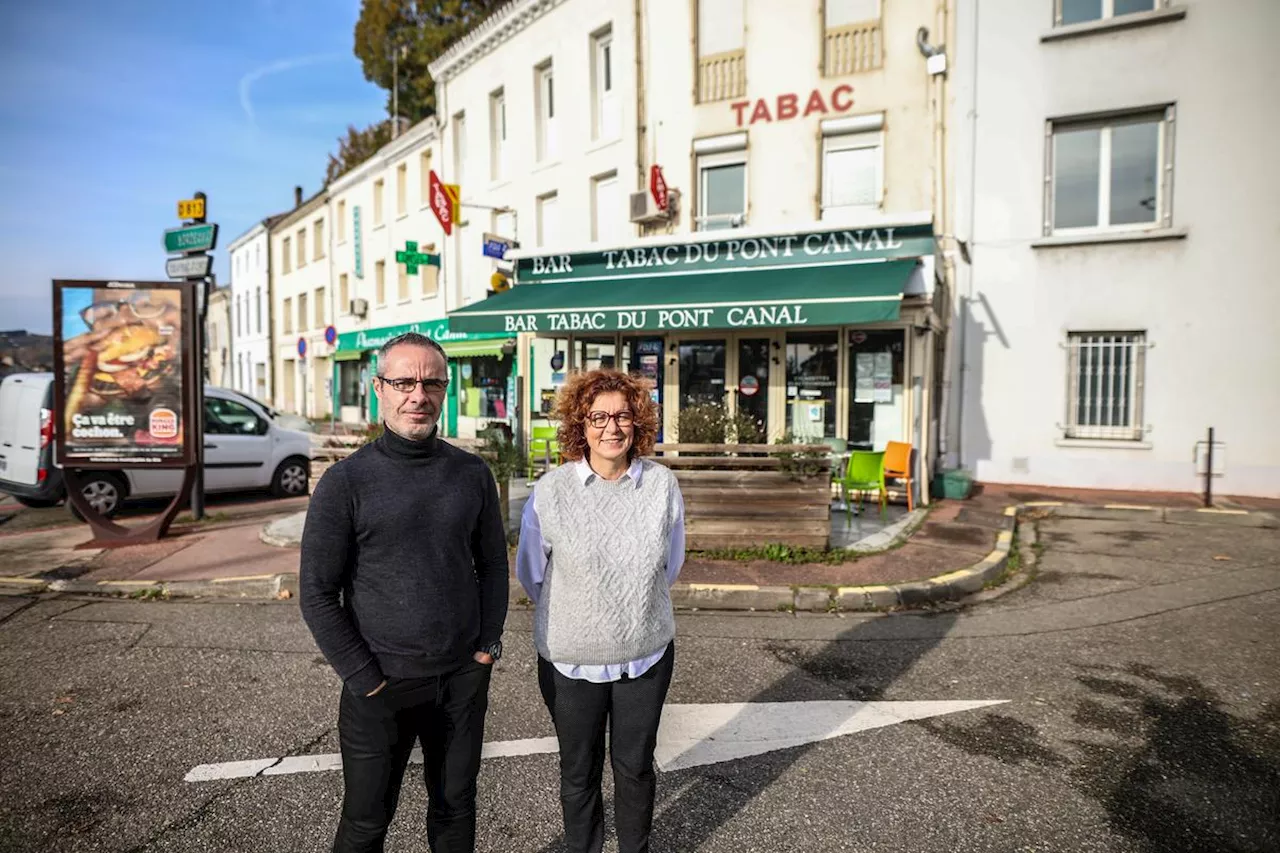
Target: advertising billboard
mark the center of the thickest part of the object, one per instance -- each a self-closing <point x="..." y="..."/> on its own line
<point x="124" y="374"/>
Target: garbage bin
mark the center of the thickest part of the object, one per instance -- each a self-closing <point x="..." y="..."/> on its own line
<point x="952" y="485"/>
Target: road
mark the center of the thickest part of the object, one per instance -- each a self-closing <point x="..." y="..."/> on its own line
<point x="1137" y="676"/>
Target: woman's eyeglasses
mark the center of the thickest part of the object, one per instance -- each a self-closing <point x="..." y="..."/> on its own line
<point x="406" y="384"/>
<point x="600" y="420"/>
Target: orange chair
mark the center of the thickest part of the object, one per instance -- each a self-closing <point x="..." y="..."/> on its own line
<point x="897" y="466"/>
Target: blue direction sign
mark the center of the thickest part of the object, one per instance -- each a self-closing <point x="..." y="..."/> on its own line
<point x="497" y="247"/>
<point x="191" y="238"/>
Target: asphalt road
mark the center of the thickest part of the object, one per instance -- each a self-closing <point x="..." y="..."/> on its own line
<point x="1140" y="673"/>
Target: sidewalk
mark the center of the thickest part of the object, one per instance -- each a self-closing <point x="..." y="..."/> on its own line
<point x="952" y="548"/>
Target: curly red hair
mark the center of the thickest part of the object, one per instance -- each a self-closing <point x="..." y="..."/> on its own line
<point x="574" y="400"/>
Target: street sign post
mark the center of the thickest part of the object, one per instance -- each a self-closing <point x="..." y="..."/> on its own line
<point x="191" y="208"/>
<point x="191" y="238"/>
<point x="412" y="258"/>
<point x="441" y="202"/>
<point x="497" y="247"/>
<point x="189" y="266"/>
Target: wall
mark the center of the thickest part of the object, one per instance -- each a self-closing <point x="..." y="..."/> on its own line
<point x="1205" y="301"/>
<point x="311" y="397"/>
<point x="249" y="278"/>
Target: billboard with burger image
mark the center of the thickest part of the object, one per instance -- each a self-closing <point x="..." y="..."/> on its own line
<point x="123" y="370"/>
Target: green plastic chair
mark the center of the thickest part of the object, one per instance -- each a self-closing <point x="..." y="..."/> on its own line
<point x="865" y="473"/>
<point x="544" y="450"/>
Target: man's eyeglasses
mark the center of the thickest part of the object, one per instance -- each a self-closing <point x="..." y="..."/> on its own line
<point x="140" y="303"/>
<point x="600" y="420"/>
<point x="406" y="384"/>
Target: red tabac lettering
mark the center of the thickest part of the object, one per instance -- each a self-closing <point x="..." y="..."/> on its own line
<point x="738" y="108"/>
<point x="815" y="105"/>
<point x="761" y="112"/>
<point x="787" y="107"/>
<point x="844" y="89"/>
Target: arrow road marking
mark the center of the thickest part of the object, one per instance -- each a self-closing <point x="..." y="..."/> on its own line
<point x="690" y="735"/>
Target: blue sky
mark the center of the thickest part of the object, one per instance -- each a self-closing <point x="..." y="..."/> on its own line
<point x="112" y="111"/>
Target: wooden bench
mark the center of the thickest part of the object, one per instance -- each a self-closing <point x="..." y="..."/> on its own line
<point x="746" y="495"/>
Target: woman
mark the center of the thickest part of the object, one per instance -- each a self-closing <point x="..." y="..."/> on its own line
<point x="601" y="542"/>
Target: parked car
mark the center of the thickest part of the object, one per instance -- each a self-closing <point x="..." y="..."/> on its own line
<point x="245" y="449"/>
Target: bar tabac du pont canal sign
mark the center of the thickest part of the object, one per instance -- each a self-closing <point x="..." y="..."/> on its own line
<point x="827" y="277"/>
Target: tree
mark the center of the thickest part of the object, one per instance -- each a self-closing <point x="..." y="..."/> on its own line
<point x="421" y="30"/>
<point x="356" y="147"/>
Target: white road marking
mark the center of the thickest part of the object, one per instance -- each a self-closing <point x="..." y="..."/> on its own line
<point x="690" y="735"/>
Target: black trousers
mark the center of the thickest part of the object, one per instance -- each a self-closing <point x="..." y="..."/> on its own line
<point x="632" y="709"/>
<point x="377" y="733"/>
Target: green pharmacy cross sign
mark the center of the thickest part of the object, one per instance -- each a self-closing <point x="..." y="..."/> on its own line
<point x="412" y="258"/>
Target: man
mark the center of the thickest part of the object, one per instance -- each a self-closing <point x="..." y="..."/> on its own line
<point x="404" y="587"/>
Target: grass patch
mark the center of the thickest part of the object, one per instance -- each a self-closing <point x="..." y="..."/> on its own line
<point x="153" y="593"/>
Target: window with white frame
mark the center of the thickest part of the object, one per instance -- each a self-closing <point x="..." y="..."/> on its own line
<point x="302" y="312"/>
<point x="257" y="256"/>
<point x="606" y="118"/>
<point x="402" y="189"/>
<point x="341" y="227"/>
<point x="302" y="247"/>
<point x="259" y="310"/>
<point x="545" y="104"/>
<point x="504" y="224"/>
<point x="608" y="225"/>
<point x="852" y="166"/>
<point x="378" y="200"/>
<point x="841" y="13"/>
<point x="424" y="177"/>
<point x="1114" y="173"/>
<point x="721" y="27"/>
<point x="1104" y="385"/>
<point x="722" y="181"/>
<point x="319" y="305"/>
<point x="460" y="149"/>
<point x="380" y="282"/>
<point x="286" y="255"/>
<point x="1080" y="11"/>
<point x="344" y="294"/>
<point x="317" y="235"/>
<point x="548" y="220"/>
<point x="497" y="135"/>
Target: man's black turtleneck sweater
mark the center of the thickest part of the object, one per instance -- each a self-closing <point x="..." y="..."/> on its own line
<point x="404" y="561"/>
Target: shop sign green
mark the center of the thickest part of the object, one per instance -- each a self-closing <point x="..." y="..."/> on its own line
<point x="437" y="330"/>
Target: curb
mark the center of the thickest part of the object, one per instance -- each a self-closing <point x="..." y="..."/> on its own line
<point x="949" y="587"/>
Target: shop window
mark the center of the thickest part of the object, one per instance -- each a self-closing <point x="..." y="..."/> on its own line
<point x="702" y="366"/>
<point x="350" y="383"/>
<point x="642" y="358"/>
<point x="1104" y="385"/>
<point x="1080" y="11"/>
<point x="813" y="361"/>
<point x="595" y="354"/>
<point x="550" y="365"/>
<point x="1113" y="174"/>
<point x="484" y="387"/>
<point x="877" y="403"/>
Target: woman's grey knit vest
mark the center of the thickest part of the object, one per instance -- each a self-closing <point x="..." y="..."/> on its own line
<point x="604" y="597"/>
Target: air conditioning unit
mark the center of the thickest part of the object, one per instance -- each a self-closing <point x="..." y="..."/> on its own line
<point x="644" y="210"/>
<point x="359" y="307"/>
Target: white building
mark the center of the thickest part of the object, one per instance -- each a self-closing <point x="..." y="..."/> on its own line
<point x="793" y="281"/>
<point x="250" y="368"/>
<point x="218" y="338"/>
<point x="1118" y="206"/>
<point x="302" y="308"/>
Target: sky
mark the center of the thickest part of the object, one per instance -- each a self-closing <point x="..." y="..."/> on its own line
<point x="113" y="110"/>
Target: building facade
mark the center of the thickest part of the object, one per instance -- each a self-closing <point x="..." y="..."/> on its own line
<point x="302" y="309"/>
<point x="218" y="358"/>
<point x="1117" y="204"/>
<point x="251" y="367"/>
<point x="792" y="276"/>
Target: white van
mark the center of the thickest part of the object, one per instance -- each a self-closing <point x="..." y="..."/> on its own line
<point x="244" y="450"/>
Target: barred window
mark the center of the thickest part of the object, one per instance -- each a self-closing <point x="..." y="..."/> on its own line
<point x="1105" y="381"/>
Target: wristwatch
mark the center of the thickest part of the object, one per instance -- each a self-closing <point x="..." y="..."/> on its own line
<point x="494" y="650"/>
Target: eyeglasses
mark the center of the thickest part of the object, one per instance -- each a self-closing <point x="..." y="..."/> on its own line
<point x="406" y="384"/>
<point x="600" y="420"/>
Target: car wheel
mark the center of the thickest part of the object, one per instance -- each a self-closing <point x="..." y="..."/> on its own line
<point x="104" y="492"/>
<point x="292" y="478"/>
<point x="35" y="503"/>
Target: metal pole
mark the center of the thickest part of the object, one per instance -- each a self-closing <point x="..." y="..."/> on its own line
<point x="1208" y="473"/>
<point x="197" y="490"/>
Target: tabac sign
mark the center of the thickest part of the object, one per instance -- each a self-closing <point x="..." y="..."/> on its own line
<point x="731" y="253"/>
<point x="820" y="278"/>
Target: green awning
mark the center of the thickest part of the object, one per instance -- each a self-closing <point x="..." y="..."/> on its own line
<point x="468" y="349"/>
<point x="348" y="355"/>
<point x="826" y="294"/>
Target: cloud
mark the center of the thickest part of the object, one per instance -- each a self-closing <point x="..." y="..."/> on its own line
<point x="277" y="67"/>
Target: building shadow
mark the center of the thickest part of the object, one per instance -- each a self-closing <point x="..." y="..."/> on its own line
<point x="859" y="665"/>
